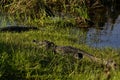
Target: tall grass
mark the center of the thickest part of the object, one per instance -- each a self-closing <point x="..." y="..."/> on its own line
<point x="41" y="10"/>
<point x="37" y="7"/>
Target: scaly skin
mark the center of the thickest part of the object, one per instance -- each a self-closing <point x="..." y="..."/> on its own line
<point x="68" y="50"/>
<point x="75" y="52"/>
<point x="47" y="45"/>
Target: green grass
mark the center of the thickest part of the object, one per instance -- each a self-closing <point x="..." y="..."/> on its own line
<point x="21" y="59"/>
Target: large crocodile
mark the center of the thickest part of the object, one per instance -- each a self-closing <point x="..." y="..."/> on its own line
<point x="75" y="52"/>
<point x="63" y="50"/>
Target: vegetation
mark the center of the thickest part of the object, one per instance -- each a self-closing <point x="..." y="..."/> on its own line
<point x="42" y="9"/>
<point x="21" y="59"/>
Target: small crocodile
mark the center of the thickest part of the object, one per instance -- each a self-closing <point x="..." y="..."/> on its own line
<point x="75" y="52"/>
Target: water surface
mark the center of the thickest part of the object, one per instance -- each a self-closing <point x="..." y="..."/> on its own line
<point x="108" y="36"/>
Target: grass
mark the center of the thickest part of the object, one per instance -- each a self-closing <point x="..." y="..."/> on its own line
<point x="21" y="59"/>
<point x="43" y="8"/>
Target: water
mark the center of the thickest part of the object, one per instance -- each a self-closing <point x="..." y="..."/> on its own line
<point x="109" y="36"/>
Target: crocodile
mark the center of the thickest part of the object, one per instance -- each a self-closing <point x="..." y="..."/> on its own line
<point x="46" y="45"/>
<point x="17" y="28"/>
<point x="75" y="52"/>
<point x="63" y="50"/>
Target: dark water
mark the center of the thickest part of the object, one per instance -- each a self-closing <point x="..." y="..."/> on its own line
<point x="108" y="36"/>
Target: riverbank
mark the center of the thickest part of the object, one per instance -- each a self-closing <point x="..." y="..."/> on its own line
<point x="21" y="59"/>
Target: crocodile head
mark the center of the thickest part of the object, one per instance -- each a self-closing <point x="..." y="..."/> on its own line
<point x="47" y="45"/>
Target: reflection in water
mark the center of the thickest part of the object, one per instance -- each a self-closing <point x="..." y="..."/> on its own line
<point x="109" y="36"/>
